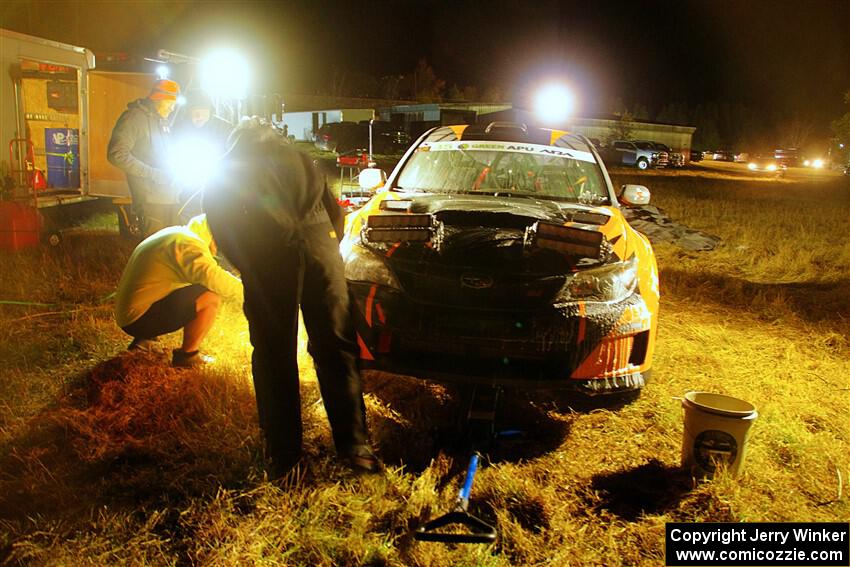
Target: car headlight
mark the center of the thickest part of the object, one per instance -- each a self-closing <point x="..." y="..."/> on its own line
<point x="611" y="283"/>
<point x="771" y="167"/>
<point x="363" y="265"/>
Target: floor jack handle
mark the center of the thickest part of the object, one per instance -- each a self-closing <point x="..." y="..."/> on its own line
<point x="463" y="496"/>
<point x="475" y="530"/>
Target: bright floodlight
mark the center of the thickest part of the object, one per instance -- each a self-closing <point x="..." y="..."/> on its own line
<point x="553" y="104"/>
<point x="162" y="72"/>
<point x="225" y="74"/>
<point x="193" y="162"/>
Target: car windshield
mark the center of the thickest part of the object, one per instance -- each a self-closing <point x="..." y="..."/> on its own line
<point x="502" y="168"/>
<point x="644" y="145"/>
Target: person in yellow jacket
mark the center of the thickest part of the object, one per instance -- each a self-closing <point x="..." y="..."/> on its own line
<point x="172" y="281"/>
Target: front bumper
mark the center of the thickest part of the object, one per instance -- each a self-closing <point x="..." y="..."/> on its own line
<point x="594" y="348"/>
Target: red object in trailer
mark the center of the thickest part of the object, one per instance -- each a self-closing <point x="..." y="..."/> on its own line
<point x="19" y="226"/>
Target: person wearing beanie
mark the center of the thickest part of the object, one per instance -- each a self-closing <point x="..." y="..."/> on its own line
<point x="139" y="147"/>
<point x="200" y="121"/>
<point x="172" y="281"/>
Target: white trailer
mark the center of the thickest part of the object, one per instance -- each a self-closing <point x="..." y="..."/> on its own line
<point x="43" y="107"/>
<point x="56" y="118"/>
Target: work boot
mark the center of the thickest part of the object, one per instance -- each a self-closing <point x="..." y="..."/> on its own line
<point x="280" y="465"/>
<point x="361" y="459"/>
<point x="194" y="359"/>
<point x="143" y="345"/>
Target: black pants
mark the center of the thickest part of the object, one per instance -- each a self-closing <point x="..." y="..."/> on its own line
<point x="279" y="276"/>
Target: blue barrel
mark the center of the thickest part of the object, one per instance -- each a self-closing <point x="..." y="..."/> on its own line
<point x="62" y="146"/>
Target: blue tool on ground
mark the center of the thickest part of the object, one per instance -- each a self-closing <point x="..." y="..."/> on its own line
<point x="477" y="530"/>
<point x="459" y="526"/>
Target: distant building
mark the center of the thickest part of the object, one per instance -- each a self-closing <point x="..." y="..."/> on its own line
<point x="417" y="118"/>
<point x="303" y="125"/>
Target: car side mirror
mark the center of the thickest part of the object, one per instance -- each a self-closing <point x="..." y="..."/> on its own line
<point x="371" y="178"/>
<point x="634" y="195"/>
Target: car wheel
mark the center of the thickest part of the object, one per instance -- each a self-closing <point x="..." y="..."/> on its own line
<point x="642" y="163"/>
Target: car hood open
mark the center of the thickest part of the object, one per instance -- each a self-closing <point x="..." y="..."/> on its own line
<point x="516" y="206"/>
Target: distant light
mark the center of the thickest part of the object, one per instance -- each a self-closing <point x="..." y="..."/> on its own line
<point x="225" y="74"/>
<point x="817" y="164"/>
<point x="554" y="104"/>
<point x="162" y="72"/>
<point x="771" y="167"/>
<point x="841" y="146"/>
<point x="752" y="166"/>
<point x="807" y="163"/>
<point x="181" y="100"/>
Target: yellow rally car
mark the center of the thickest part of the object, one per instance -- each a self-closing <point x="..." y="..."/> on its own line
<point x="498" y="254"/>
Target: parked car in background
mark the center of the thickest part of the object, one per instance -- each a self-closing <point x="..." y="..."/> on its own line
<point x="719" y="155"/>
<point x="675" y="159"/>
<point x="499" y="254"/>
<point x="764" y="163"/>
<point x="639" y="154"/>
<point x="814" y="162"/>
<point x="342" y="137"/>
<point x="788" y="157"/>
<point x="338" y="137"/>
<point x="696" y="155"/>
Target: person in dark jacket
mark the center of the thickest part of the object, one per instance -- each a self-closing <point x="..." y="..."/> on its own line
<point x="200" y="136"/>
<point x="198" y="120"/>
<point x="273" y="217"/>
<point x="139" y="147"/>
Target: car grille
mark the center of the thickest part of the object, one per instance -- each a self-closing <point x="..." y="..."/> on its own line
<point x="477" y="287"/>
<point x="530" y="335"/>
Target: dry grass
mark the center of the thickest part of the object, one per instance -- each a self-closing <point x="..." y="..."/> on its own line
<point x="111" y="458"/>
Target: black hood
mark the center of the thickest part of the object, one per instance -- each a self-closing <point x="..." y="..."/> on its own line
<point x="484" y="235"/>
<point x="448" y="207"/>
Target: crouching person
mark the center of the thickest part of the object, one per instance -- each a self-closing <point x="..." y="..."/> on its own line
<point x="172" y="281"/>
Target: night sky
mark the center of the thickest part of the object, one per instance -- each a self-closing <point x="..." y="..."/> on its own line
<point x="789" y="57"/>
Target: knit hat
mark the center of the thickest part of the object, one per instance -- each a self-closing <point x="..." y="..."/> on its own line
<point x="164" y="89"/>
<point x="197" y="98"/>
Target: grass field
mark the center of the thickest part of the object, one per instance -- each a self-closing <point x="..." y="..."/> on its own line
<point x="111" y="458"/>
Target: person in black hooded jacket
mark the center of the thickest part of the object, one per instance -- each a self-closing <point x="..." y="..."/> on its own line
<point x="139" y="147"/>
<point x="272" y="215"/>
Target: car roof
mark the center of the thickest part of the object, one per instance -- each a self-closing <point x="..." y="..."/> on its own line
<point x="510" y="132"/>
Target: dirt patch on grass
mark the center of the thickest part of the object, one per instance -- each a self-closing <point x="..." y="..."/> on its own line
<point x="131" y="427"/>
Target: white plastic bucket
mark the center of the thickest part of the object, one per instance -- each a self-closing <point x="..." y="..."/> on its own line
<point x="716" y="432"/>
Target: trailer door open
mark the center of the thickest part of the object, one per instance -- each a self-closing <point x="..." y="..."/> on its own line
<point x="109" y="94"/>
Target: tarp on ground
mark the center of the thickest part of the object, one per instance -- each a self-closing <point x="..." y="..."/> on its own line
<point x="658" y="227"/>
